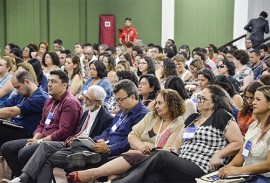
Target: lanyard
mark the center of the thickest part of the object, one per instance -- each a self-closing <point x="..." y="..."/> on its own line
<point x="158" y="136"/>
<point x="50" y="115"/>
<point x="118" y="123"/>
<point x="54" y="108"/>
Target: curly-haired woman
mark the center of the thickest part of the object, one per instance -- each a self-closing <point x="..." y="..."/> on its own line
<point x="157" y="129"/>
<point x="210" y="137"/>
<point x="243" y="73"/>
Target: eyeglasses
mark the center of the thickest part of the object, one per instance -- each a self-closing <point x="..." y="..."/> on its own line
<point x="120" y="100"/>
<point x="90" y="100"/>
<point x="248" y="98"/>
<point x="221" y="66"/>
<point x="202" y="99"/>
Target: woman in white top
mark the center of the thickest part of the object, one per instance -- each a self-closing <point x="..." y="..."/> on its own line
<point x="120" y="49"/>
<point x="180" y="64"/>
<point x="254" y="157"/>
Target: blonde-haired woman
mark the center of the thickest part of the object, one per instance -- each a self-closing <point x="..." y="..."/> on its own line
<point x="120" y="49"/>
<point x="28" y="67"/>
<point x="6" y="86"/>
<point x="122" y="65"/>
<point x="158" y="59"/>
<point x="194" y="68"/>
<point x="180" y="64"/>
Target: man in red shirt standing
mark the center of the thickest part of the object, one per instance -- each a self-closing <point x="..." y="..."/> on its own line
<point x="127" y="33"/>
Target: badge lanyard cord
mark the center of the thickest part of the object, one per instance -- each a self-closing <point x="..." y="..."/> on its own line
<point x="158" y="134"/>
<point x="53" y="109"/>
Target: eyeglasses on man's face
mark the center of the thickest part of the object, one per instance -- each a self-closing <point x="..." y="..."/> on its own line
<point x="120" y="100"/>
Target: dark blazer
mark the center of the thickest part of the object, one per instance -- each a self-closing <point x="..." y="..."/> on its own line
<point x="103" y="121"/>
<point x="257" y="27"/>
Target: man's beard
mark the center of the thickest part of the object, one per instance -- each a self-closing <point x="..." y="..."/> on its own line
<point x="91" y="107"/>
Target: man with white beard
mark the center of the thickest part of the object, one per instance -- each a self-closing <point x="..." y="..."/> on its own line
<point x="94" y="121"/>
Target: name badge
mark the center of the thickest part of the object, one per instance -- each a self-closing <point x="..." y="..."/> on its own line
<point x="195" y="100"/>
<point x="246" y="149"/>
<point x="49" y="118"/>
<point x="113" y="128"/>
<point x="189" y="133"/>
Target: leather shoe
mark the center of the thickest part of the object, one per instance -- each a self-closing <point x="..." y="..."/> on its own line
<point x="83" y="158"/>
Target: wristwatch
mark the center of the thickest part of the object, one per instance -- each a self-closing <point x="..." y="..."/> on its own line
<point x="39" y="141"/>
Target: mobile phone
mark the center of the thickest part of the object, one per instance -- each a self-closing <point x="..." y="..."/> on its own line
<point x="214" y="177"/>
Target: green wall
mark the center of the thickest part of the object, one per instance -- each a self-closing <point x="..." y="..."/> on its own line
<point x="2" y="27"/>
<point x="197" y="22"/>
<point x="200" y="22"/>
<point x="74" y="20"/>
<point x="145" y="14"/>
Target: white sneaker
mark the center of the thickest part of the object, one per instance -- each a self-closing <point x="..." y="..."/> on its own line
<point x="15" y="180"/>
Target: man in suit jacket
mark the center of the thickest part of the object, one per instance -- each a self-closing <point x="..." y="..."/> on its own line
<point x="257" y="27"/>
<point x="94" y="121"/>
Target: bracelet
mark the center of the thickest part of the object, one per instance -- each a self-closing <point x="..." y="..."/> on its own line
<point x="39" y="141"/>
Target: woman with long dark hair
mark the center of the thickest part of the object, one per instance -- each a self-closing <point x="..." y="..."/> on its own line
<point x="147" y="88"/>
<point x="167" y="69"/>
<point x="245" y="116"/>
<point x="225" y="83"/>
<point x="74" y="71"/>
<point x="176" y="83"/>
<point x="146" y="66"/>
<point x="41" y="78"/>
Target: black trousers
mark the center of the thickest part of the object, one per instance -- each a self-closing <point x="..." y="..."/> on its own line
<point x="8" y="133"/>
<point x="17" y="154"/>
<point x="162" y="166"/>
